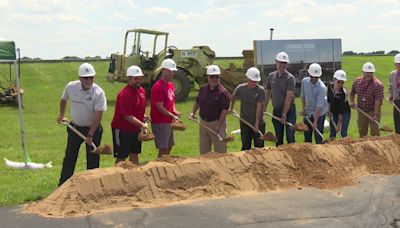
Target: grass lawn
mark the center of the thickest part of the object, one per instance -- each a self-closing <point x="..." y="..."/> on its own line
<point x="46" y="140"/>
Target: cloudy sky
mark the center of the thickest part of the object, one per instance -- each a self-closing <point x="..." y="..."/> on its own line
<point x="51" y="29"/>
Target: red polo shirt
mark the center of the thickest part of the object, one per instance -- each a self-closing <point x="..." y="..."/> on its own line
<point x="162" y="92"/>
<point x="130" y="102"/>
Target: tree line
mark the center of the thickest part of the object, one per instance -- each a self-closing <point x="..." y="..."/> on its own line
<point x="392" y="52"/>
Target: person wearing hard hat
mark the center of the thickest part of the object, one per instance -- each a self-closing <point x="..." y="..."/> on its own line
<point x="213" y="101"/>
<point x="280" y="86"/>
<point x="88" y="102"/>
<point x="129" y="118"/>
<point x="369" y="91"/>
<point x="314" y="102"/>
<point x="163" y="112"/>
<point x="338" y="105"/>
<point x="252" y="100"/>
<point x="394" y="92"/>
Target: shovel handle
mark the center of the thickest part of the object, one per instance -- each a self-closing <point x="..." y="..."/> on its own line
<point x="277" y="118"/>
<point x="235" y="114"/>
<point x="66" y="123"/>
<point x="336" y="127"/>
<point x="206" y="127"/>
<point x="394" y="105"/>
<point x="315" y="129"/>
<point x="368" y="116"/>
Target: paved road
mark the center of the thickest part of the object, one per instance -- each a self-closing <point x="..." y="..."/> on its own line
<point x="374" y="202"/>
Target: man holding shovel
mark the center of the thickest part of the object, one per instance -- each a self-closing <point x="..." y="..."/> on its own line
<point x="129" y="118"/>
<point x="394" y="92"/>
<point x="314" y="103"/>
<point x="280" y="86"/>
<point x="213" y="101"/>
<point x="88" y="102"/>
<point x="369" y="91"/>
<point x="252" y="100"/>
<point x="163" y="111"/>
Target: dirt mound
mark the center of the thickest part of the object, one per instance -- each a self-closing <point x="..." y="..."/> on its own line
<point x="173" y="179"/>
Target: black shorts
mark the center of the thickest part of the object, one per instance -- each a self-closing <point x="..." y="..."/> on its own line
<point x="125" y="143"/>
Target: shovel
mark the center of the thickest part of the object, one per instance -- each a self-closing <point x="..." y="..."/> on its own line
<point x="394" y="105"/>
<point x="315" y="129"/>
<point x="269" y="136"/>
<point x="384" y="128"/>
<point x="145" y="135"/>
<point x="295" y="127"/>
<point x="227" y="139"/>
<point x="105" y="149"/>
<point x="336" y="127"/>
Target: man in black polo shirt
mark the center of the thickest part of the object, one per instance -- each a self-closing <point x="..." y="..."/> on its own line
<point x="213" y="100"/>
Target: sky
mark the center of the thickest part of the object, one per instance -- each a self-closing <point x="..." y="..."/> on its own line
<point x="52" y="29"/>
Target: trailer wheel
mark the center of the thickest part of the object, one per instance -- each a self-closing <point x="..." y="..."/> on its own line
<point x="182" y="85"/>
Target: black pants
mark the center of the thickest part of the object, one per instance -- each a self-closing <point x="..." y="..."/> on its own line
<point x="248" y="135"/>
<point x="396" y="116"/>
<point x="72" y="150"/>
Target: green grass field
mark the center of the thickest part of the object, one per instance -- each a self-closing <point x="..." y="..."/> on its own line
<point x="46" y="140"/>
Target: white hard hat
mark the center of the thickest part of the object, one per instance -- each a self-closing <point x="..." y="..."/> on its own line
<point x="86" y="70"/>
<point x="397" y="58"/>
<point x="368" y="67"/>
<point x="169" y="64"/>
<point x="282" y="57"/>
<point x="315" y="70"/>
<point x="340" y="75"/>
<point x="253" y="74"/>
<point x="134" y="71"/>
<point x="213" y="70"/>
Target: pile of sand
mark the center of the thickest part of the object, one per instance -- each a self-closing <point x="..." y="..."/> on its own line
<point x="213" y="175"/>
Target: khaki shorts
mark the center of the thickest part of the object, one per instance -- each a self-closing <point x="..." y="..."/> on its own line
<point x="164" y="135"/>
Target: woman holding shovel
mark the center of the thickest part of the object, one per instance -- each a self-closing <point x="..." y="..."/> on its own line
<point x="213" y="101"/>
<point x="369" y="91"/>
<point x="252" y="99"/>
<point x="394" y="90"/>
<point x="338" y="106"/>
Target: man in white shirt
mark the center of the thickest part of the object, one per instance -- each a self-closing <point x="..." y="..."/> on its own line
<point x="88" y="102"/>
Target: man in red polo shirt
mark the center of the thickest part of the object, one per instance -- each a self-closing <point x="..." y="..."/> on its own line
<point x="129" y="118"/>
<point x="163" y="111"/>
<point x="369" y="92"/>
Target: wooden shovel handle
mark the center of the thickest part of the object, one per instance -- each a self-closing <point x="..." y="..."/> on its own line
<point x="315" y="129"/>
<point x="368" y="116"/>
<point x="277" y="118"/>
<point x="67" y="123"/>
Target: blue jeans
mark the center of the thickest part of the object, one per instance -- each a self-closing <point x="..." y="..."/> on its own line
<point x="345" y="124"/>
<point x="320" y="127"/>
<point x="280" y="128"/>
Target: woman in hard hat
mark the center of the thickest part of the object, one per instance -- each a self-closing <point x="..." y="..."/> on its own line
<point x="338" y="106"/>
<point x="394" y="90"/>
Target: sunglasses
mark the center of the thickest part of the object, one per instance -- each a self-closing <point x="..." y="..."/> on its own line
<point x="87" y="78"/>
<point x="213" y="76"/>
<point x="340" y="82"/>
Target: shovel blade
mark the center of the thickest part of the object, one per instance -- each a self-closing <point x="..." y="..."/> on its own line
<point x="104" y="149"/>
<point x="230" y="138"/>
<point x="300" y="127"/>
<point x="386" y="128"/>
<point x="269" y="136"/>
